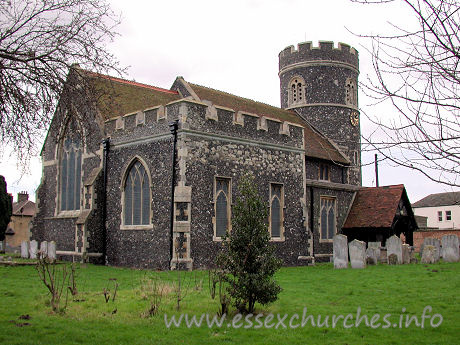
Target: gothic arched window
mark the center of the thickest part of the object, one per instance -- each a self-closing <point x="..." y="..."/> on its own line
<point x="276" y="210"/>
<point x="296" y="91"/>
<point x="70" y="174"/>
<point x="351" y="92"/>
<point x="328" y="222"/>
<point x="136" y="207"/>
<point x="222" y="206"/>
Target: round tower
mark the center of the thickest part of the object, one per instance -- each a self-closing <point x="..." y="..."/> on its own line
<point x="321" y="85"/>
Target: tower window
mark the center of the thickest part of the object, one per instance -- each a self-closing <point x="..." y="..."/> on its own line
<point x="296" y="91"/>
<point x="351" y="92"/>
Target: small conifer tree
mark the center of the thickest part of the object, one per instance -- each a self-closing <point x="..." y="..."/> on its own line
<point x="248" y="257"/>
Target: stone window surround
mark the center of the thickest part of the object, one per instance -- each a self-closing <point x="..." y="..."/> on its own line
<point x="229" y="207"/>
<point x="351" y="92"/>
<point x="302" y="91"/>
<point x="126" y="170"/>
<point x="282" y="212"/>
<point x="328" y="197"/>
<point x="67" y="213"/>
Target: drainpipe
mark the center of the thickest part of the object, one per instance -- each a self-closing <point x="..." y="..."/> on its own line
<point x="173" y="126"/>
<point x="312" y="223"/>
<point x="106" y="147"/>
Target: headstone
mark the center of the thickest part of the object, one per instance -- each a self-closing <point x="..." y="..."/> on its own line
<point x="394" y="246"/>
<point x="340" y="247"/>
<point x="374" y="245"/>
<point x="392" y="259"/>
<point x="44" y="249"/>
<point x="429" y="254"/>
<point x="357" y="251"/>
<point x="383" y="256"/>
<point x="33" y="249"/>
<point x="372" y="255"/>
<point x="25" y="249"/>
<point x="406" y="254"/>
<point x="432" y="242"/>
<point x="450" y="252"/>
<point x="1" y="258"/>
<point x="413" y="259"/>
<point x="52" y="250"/>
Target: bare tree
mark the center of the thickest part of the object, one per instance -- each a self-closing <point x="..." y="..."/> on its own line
<point x="417" y="71"/>
<point x="40" y="40"/>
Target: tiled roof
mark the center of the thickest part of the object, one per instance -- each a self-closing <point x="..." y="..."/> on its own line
<point x="375" y="207"/>
<point x="24" y="208"/>
<point x="439" y="199"/>
<point x="316" y="144"/>
<point x="120" y="96"/>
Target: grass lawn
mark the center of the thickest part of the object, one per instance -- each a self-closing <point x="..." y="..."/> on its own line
<point x="324" y="291"/>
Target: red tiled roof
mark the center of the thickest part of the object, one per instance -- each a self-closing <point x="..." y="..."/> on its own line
<point x="374" y="207"/>
<point x="24" y="208"/>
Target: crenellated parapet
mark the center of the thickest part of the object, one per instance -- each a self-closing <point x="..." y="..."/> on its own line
<point x="325" y="53"/>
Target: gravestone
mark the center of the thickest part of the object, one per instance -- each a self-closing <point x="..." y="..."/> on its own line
<point x="52" y="250"/>
<point x="340" y="247"/>
<point x="394" y="246"/>
<point x="372" y="255"/>
<point x="429" y="254"/>
<point x="383" y="256"/>
<point x="374" y="245"/>
<point x="406" y="254"/>
<point x="33" y="248"/>
<point x="44" y="249"/>
<point x="432" y="242"/>
<point x="413" y="259"/>
<point x="25" y="249"/>
<point x="450" y="252"/>
<point x="357" y="251"/>
<point x="392" y="259"/>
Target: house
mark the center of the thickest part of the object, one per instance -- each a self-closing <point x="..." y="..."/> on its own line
<point x="378" y="213"/>
<point x="147" y="177"/>
<point x="441" y="209"/>
<point x="441" y="216"/>
<point x="18" y="228"/>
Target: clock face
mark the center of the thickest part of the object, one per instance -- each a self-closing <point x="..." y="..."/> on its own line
<point x="354" y="118"/>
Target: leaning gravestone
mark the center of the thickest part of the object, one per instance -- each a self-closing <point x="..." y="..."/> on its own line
<point x="25" y="249"/>
<point x="33" y="249"/>
<point x="450" y="252"/>
<point x="429" y="254"/>
<point x="52" y="250"/>
<point x="44" y="249"/>
<point x="340" y="247"/>
<point x="406" y="254"/>
<point x="432" y="242"/>
<point x="394" y="246"/>
<point x="357" y="251"/>
<point x="372" y="255"/>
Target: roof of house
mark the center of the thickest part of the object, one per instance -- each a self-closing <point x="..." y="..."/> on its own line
<point x="439" y="199"/>
<point x="24" y="208"/>
<point x="375" y="207"/>
<point x="316" y="144"/>
<point x="120" y="96"/>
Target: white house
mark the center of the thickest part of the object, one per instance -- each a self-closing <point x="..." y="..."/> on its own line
<point x="442" y="210"/>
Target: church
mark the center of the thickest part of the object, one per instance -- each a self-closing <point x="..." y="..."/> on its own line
<point x="149" y="180"/>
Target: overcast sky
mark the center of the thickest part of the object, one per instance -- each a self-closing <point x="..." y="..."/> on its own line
<point x="233" y="46"/>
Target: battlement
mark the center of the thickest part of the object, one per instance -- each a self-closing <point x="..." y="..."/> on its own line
<point x="324" y="52"/>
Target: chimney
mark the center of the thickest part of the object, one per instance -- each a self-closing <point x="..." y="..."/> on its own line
<point x="23" y="196"/>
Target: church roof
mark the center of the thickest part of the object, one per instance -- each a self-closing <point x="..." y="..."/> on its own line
<point x="439" y="199"/>
<point x="120" y="96"/>
<point x="316" y="144"/>
<point x="375" y="207"/>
